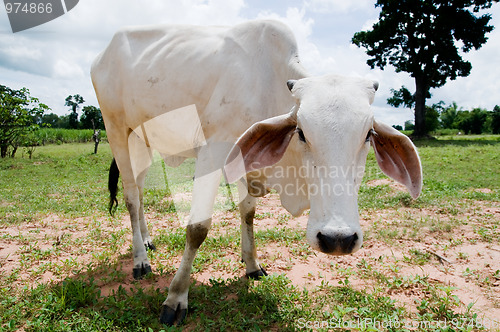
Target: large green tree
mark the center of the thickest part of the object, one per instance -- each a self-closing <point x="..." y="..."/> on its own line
<point x="18" y="111"/>
<point x="74" y="102"/>
<point x="91" y="118"/>
<point x="424" y="39"/>
<point x="50" y="120"/>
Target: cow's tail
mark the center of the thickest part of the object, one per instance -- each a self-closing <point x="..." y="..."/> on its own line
<point x="114" y="175"/>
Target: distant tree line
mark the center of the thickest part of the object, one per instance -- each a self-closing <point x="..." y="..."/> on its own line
<point x="90" y="118"/>
<point x="22" y="114"/>
<point x="89" y="114"/>
<point x="476" y="121"/>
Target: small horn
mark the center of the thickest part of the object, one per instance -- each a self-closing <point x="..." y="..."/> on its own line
<point x="290" y="84"/>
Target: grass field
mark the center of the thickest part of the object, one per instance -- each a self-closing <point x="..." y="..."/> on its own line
<point x="426" y="264"/>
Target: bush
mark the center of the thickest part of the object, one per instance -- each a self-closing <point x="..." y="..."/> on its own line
<point x="59" y="136"/>
<point x="446" y="132"/>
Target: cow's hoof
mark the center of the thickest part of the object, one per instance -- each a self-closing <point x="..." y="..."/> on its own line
<point x="170" y="316"/>
<point x="150" y="246"/>
<point x="140" y="272"/>
<point x="256" y="275"/>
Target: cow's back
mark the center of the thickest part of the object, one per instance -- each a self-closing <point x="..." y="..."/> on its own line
<point x="235" y="76"/>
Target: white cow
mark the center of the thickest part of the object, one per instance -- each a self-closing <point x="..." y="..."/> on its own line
<point x="310" y="144"/>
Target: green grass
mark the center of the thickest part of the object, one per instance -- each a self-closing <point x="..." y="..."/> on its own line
<point x="452" y="169"/>
<point x="67" y="180"/>
<point x="67" y="183"/>
<point x="235" y="305"/>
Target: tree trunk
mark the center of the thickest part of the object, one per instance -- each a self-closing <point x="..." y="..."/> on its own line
<point x="96" y="144"/>
<point x="95" y="136"/>
<point x="420" y="97"/>
<point x="3" y="151"/>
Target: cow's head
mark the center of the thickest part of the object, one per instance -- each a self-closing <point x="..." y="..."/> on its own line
<point x="328" y="133"/>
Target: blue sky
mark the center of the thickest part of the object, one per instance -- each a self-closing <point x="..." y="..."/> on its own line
<point x="53" y="60"/>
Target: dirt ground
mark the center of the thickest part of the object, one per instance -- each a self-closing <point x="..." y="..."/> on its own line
<point x="459" y="257"/>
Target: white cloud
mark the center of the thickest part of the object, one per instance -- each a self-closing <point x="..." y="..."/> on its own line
<point x="302" y="26"/>
<point x="105" y="17"/>
<point x="368" y="25"/>
<point x="59" y="54"/>
<point x="295" y="19"/>
<point x="342" y="59"/>
<point x="67" y="70"/>
<point x="337" y="6"/>
<point x="21" y="53"/>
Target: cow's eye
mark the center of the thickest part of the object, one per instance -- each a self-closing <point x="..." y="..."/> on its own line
<point x="302" y="138"/>
<point x="368" y="136"/>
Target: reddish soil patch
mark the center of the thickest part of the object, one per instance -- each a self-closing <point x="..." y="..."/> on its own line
<point x="466" y="257"/>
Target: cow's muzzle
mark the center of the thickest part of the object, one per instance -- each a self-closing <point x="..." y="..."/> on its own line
<point x="338" y="243"/>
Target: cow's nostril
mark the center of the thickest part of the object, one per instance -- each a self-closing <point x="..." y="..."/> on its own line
<point x="337" y="244"/>
<point x="325" y="243"/>
<point x="349" y="243"/>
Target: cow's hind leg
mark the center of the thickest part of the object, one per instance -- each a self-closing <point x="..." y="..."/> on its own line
<point x="134" y="160"/>
<point x="141" y="262"/>
<point x="205" y="187"/>
<point x="248" y="250"/>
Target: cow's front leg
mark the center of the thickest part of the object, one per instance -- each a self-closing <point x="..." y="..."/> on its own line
<point x="205" y="187"/>
<point x="248" y="250"/>
<point x="174" y="308"/>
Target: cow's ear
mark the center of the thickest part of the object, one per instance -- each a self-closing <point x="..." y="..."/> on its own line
<point x="397" y="157"/>
<point x="263" y="144"/>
